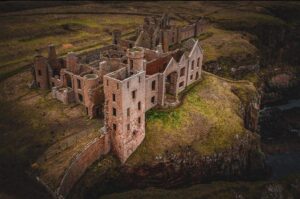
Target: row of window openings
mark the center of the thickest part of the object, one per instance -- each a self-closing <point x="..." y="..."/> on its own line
<point x="182" y="71"/>
<point x="107" y="83"/>
<point x="78" y="81"/>
<point x="128" y="125"/>
<point x="114" y="110"/>
<point x="133" y="93"/>
<point x="191" y="77"/>
<point x="152" y="86"/>
<point x="139" y="107"/>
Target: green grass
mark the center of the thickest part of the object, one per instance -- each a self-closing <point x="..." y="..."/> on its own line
<point x="228" y="44"/>
<point x="208" y="120"/>
<point x="21" y="35"/>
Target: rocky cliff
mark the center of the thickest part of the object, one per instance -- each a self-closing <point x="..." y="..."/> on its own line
<point x="236" y="156"/>
<point x="244" y="160"/>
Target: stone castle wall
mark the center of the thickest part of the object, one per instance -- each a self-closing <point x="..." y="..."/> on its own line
<point x="99" y="146"/>
<point x="187" y="32"/>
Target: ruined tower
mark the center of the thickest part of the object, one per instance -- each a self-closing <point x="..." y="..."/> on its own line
<point x="116" y="37"/>
<point x="135" y="59"/>
<point x="72" y="62"/>
<point x="125" y="105"/>
<point x="41" y="71"/>
<point x="91" y="82"/>
<point x="165" y="40"/>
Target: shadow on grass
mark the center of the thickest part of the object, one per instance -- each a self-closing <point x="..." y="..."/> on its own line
<point x="20" y="144"/>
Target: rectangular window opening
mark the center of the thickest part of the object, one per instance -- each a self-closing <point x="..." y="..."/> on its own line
<point x="153" y="99"/>
<point x="139" y="105"/>
<point x="128" y="112"/>
<point x="114" y="112"/>
<point x="133" y="93"/>
<point x="181" y="84"/>
<point x="80" y="97"/>
<point x="153" y="85"/>
<point x="193" y="65"/>
<point x="114" y="97"/>
<point x="78" y="83"/>
<point x="114" y="127"/>
<point x="131" y="64"/>
<point x="182" y="71"/>
<point x="128" y="127"/>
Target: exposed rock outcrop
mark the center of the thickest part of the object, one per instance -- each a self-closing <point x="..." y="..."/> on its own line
<point x="242" y="161"/>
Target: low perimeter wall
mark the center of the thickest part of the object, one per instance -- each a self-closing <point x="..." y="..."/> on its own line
<point x="99" y="146"/>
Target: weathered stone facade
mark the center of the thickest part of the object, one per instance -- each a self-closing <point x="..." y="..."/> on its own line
<point x="132" y="90"/>
<point x="126" y="82"/>
<point x="162" y="31"/>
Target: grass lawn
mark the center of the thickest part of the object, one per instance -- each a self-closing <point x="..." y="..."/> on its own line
<point x="207" y="120"/>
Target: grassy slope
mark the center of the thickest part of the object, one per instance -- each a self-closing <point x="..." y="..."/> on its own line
<point x="18" y="41"/>
<point x="30" y="122"/>
<point x="23" y="34"/>
<point x="71" y="27"/>
<point x="208" y="119"/>
<point x="228" y="44"/>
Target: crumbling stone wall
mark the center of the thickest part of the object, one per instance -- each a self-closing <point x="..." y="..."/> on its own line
<point x="152" y="91"/>
<point x="41" y="72"/>
<point x="92" y="152"/>
<point x="64" y="95"/>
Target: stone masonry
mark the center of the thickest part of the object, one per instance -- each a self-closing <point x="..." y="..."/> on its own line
<point x="124" y="80"/>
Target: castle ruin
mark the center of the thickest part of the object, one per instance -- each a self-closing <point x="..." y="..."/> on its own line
<point x="127" y="78"/>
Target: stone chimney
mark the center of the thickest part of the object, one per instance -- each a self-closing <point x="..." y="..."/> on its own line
<point x="51" y="52"/>
<point x="159" y="49"/>
<point x="116" y="37"/>
<point x="72" y="62"/>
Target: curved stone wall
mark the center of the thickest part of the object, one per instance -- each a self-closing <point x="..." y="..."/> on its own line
<point x="99" y="146"/>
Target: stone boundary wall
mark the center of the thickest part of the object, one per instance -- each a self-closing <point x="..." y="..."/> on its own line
<point x="92" y="152"/>
<point x="64" y="144"/>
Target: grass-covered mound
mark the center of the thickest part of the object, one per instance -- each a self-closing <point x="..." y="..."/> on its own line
<point x="208" y="119"/>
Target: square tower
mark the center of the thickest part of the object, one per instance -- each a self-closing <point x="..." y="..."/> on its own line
<point x="124" y="109"/>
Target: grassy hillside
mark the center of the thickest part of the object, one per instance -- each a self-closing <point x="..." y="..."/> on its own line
<point x="208" y="120"/>
<point x="82" y="26"/>
<point x="20" y="38"/>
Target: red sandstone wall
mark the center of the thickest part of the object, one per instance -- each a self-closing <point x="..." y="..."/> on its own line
<point x="81" y="162"/>
<point x="158" y="65"/>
